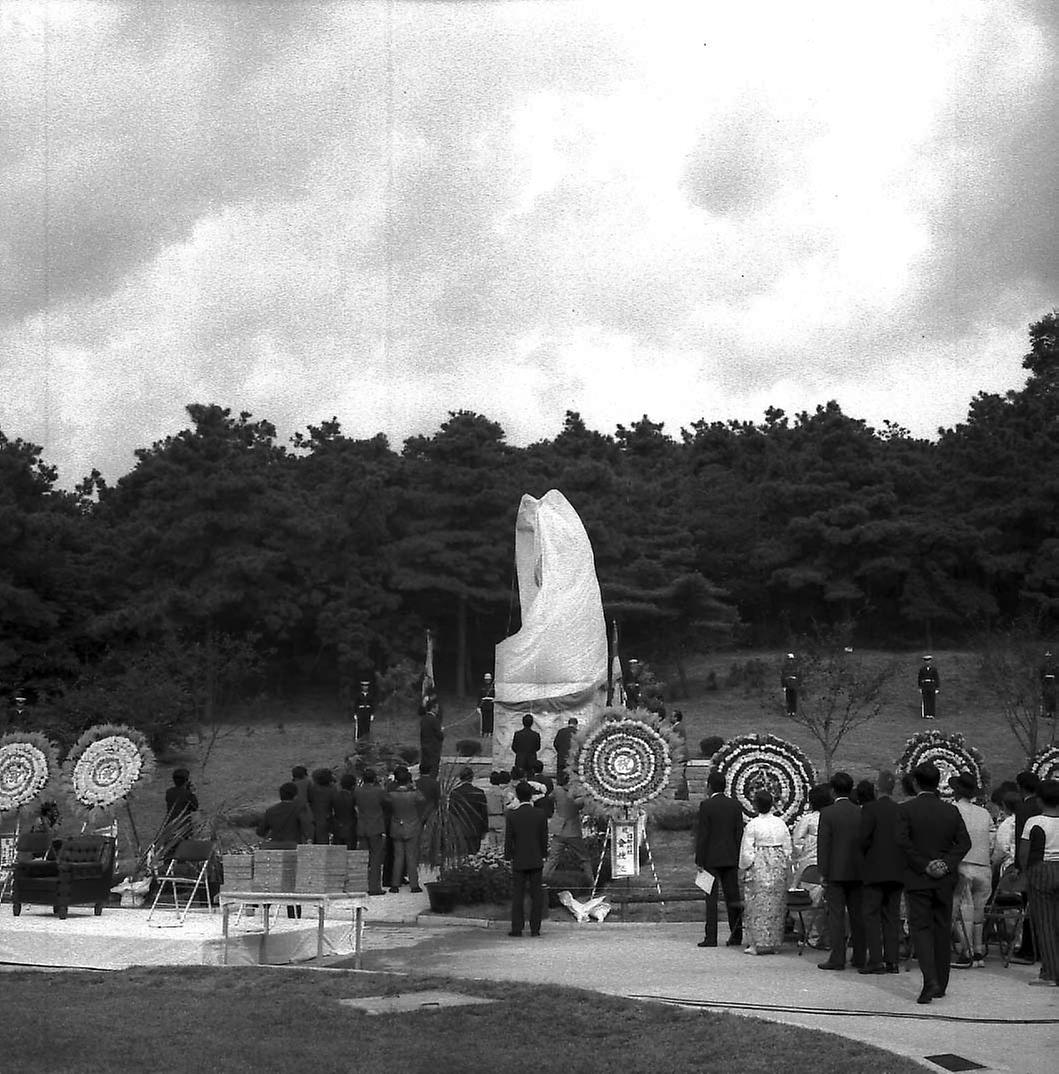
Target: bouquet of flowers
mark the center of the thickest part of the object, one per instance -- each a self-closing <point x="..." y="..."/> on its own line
<point x="28" y="763"/>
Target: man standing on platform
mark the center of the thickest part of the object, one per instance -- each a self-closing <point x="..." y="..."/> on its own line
<point x="1049" y="688"/>
<point x="364" y="711"/>
<point x="717" y="851"/>
<point x="838" y="856"/>
<point x="526" y="847"/>
<point x="933" y="839"/>
<point x="790" y="683"/>
<point x="486" y="703"/>
<point x="929" y="688"/>
<point x="525" y="744"/>
<point x="633" y="688"/>
<point x="881" y="875"/>
<point x="431" y="738"/>
<point x="564" y="737"/>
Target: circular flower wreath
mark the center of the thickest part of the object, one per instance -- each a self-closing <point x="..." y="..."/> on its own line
<point x="751" y="763"/>
<point x="28" y="761"/>
<point x="106" y="764"/>
<point x="949" y="753"/>
<point x="1045" y="764"/>
<point x="622" y="764"/>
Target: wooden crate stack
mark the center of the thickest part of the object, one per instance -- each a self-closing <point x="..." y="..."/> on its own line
<point x="356" y="870"/>
<point x="321" y="868"/>
<point x="696" y="773"/>
<point x="238" y="872"/>
<point x="275" y="870"/>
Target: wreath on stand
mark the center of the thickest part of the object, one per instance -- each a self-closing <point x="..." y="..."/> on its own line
<point x="756" y="762"/>
<point x="1045" y="763"/>
<point x="28" y="763"/>
<point x="949" y="753"/>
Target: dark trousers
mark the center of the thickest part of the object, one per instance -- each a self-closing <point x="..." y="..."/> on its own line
<point x="726" y="877"/>
<point x="790" y="699"/>
<point x="376" y="856"/>
<point x="930" y="698"/>
<point x="845" y="896"/>
<point x="881" y="909"/>
<point x="930" y="924"/>
<point x="521" y="878"/>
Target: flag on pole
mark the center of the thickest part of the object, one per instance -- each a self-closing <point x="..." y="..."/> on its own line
<point x="617" y="683"/>
<point x="428" y="669"/>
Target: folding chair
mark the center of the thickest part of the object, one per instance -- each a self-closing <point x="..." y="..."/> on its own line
<point x="1005" y="918"/>
<point x="800" y="904"/>
<point x="196" y="854"/>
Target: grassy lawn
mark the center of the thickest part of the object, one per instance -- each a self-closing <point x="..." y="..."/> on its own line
<point x="255" y="1020"/>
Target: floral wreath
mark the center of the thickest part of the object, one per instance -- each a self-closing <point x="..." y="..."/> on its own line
<point x="949" y="753"/>
<point x="106" y="764"/>
<point x="623" y="764"/>
<point x="28" y="762"/>
<point x="1045" y="763"/>
<point x="755" y="762"/>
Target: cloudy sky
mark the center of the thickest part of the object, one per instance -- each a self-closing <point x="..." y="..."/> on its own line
<point x="385" y="211"/>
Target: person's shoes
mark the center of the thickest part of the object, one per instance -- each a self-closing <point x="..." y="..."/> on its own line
<point x="537" y="933"/>
<point x="873" y="968"/>
<point x="707" y="943"/>
<point x="395" y="891"/>
<point x="929" y="992"/>
<point x="892" y="967"/>
<point x="734" y="941"/>
<point x="751" y="950"/>
<point x="963" y="962"/>
<point x="830" y="965"/>
<point x="514" y="934"/>
<point x="1021" y="960"/>
<point x="979" y="960"/>
<point x="416" y="891"/>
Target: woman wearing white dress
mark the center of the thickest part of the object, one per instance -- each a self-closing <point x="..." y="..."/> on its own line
<point x="764" y="859"/>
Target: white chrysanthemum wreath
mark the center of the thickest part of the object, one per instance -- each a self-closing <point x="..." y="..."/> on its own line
<point x="623" y="764"/>
<point x="106" y="764"/>
<point x="756" y="762"/>
<point x="949" y="753"/>
<point x="28" y="762"/>
<point x="1045" y="764"/>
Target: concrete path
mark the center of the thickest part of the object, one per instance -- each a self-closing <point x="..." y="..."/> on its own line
<point x="990" y="1016"/>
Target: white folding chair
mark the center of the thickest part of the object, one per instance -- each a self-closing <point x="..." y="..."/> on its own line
<point x="196" y="853"/>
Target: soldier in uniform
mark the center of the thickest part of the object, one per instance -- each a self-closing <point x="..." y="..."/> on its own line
<point x="929" y="685"/>
<point x="633" y="690"/>
<point x="790" y="681"/>
<point x="485" y="705"/>
<point x="364" y="710"/>
<point x="1048" y="687"/>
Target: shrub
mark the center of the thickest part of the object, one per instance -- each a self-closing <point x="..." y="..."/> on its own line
<point x="710" y="745"/>
<point x="481" y="877"/>
<point x="468" y="747"/>
<point x="676" y="816"/>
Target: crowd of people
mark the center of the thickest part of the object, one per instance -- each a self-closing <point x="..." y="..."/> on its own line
<point x="872" y="866"/>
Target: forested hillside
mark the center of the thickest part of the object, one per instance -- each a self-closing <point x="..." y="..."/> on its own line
<point x="226" y="561"/>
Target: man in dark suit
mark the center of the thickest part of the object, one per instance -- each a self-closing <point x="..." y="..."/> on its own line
<point x="881" y="876"/>
<point x="526" y="847"/>
<point x="838" y="857"/>
<point x="717" y="851"/>
<point x="564" y="738"/>
<point x="1028" y="806"/>
<point x="526" y="743"/>
<point x="469" y="804"/>
<point x="933" y="838"/>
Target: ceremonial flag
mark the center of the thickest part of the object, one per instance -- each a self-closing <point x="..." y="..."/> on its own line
<point x="617" y="683"/>
<point x="428" y="668"/>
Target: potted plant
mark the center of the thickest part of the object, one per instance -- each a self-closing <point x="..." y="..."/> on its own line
<point x="443" y="842"/>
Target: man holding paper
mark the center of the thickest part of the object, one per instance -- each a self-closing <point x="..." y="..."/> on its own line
<point x="717" y="842"/>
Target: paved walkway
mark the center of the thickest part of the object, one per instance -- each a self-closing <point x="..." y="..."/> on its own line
<point x="990" y="1016"/>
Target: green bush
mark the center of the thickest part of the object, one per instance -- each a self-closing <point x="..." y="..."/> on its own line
<point x="676" y="816"/>
<point x="484" y="877"/>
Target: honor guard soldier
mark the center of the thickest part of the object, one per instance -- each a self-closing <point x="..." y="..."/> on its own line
<point x="486" y="701"/>
<point x="790" y="683"/>
<point x="633" y="690"/>
<point x="364" y="711"/>
<point x="929" y="685"/>
<point x="1048" y="687"/>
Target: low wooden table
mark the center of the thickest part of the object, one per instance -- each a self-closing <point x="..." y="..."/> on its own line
<point x="321" y="900"/>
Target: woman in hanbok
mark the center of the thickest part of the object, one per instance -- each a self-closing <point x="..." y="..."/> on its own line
<point x="764" y="859"/>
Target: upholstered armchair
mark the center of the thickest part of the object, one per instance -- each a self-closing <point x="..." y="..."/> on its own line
<point x="81" y="873"/>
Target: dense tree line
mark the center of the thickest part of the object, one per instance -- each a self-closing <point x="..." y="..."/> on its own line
<point x="225" y="557"/>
